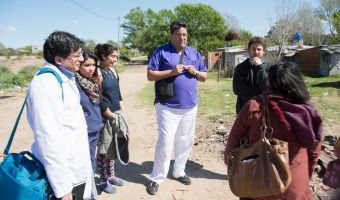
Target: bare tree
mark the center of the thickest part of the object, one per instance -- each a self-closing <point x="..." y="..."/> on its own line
<point x="311" y="27"/>
<point x="231" y="21"/>
<point x="285" y="25"/>
<point x="326" y="10"/>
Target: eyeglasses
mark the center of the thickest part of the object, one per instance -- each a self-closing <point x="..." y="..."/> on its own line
<point x="178" y="36"/>
<point x="76" y="56"/>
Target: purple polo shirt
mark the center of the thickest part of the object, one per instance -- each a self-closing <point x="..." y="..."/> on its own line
<point x="185" y="85"/>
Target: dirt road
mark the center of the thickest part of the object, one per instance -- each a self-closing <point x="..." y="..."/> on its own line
<point x="205" y="165"/>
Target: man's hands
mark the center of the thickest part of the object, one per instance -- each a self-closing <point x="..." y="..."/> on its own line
<point x="180" y="67"/>
<point x="177" y="70"/>
<point x="191" y="69"/>
<point x="255" y="61"/>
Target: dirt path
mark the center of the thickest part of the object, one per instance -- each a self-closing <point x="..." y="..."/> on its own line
<point x="205" y="165"/>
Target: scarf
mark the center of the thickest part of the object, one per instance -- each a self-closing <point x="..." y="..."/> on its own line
<point x="303" y="120"/>
<point x="91" y="89"/>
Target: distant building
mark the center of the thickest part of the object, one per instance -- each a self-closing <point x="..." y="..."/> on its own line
<point x="307" y="58"/>
<point x="321" y="60"/>
<point x="226" y="59"/>
<point x="330" y="60"/>
<point x="229" y="56"/>
<point x="37" y="48"/>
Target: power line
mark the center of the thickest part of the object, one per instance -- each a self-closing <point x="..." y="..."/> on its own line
<point x="238" y="21"/>
<point x="88" y="10"/>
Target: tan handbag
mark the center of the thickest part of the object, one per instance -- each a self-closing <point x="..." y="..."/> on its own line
<point x="262" y="168"/>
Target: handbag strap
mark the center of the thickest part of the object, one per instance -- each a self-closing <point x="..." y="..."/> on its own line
<point x="9" y="143"/>
<point x="266" y="125"/>
<point x="265" y="119"/>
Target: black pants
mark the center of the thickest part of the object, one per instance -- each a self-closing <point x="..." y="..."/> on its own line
<point x="77" y="193"/>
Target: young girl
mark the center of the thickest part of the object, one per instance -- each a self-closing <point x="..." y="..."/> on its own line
<point x="88" y="86"/>
<point x="112" y="101"/>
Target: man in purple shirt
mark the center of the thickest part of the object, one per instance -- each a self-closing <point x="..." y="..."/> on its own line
<point x="176" y="117"/>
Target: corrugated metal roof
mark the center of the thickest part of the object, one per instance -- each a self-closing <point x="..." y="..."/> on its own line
<point x="331" y="49"/>
<point x="290" y="54"/>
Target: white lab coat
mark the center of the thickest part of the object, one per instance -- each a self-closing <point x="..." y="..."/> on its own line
<point x="60" y="133"/>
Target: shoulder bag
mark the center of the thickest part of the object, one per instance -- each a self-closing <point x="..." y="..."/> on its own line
<point x="164" y="88"/>
<point x="262" y="168"/>
<point x="22" y="175"/>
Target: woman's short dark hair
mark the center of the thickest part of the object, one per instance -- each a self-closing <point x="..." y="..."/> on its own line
<point x="286" y="79"/>
<point x="104" y="50"/>
<point x="60" y="43"/>
<point x="177" y="24"/>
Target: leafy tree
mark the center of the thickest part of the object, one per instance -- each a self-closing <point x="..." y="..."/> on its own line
<point x="147" y="30"/>
<point x="205" y="25"/>
<point x="245" y="35"/>
<point x="326" y="10"/>
<point x="111" y="42"/>
<point x="135" y="23"/>
<point x="90" y="44"/>
<point x="156" y="32"/>
<point x="334" y="39"/>
<point x="336" y="21"/>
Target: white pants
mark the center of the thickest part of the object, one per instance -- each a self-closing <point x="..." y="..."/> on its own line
<point x="176" y="128"/>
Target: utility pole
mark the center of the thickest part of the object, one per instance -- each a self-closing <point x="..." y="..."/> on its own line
<point x="118" y="40"/>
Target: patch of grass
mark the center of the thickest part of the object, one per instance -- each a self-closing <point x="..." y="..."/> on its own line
<point x="7" y="78"/>
<point x="147" y="95"/>
<point x="217" y="99"/>
<point x="22" y="78"/>
<point x="325" y="95"/>
<point x="26" y="74"/>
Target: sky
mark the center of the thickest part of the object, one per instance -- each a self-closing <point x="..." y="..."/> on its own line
<point x="29" y="22"/>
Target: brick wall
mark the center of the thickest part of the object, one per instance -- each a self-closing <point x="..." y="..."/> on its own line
<point x="211" y="58"/>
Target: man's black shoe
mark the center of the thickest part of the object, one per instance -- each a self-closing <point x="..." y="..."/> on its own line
<point x="152" y="188"/>
<point x="184" y="179"/>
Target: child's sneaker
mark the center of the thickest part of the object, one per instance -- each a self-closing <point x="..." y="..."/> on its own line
<point x="108" y="188"/>
<point x="116" y="181"/>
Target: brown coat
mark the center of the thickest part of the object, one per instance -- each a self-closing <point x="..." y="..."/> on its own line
<point x="302" y="160"/>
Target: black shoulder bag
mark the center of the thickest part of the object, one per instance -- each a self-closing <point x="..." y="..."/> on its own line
<point x="164" y="88"/>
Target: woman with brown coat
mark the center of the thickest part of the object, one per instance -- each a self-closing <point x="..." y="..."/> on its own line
<point x="293" y="118"/>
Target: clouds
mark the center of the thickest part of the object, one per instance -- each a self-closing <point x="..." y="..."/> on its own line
<point x="9" y="28"/>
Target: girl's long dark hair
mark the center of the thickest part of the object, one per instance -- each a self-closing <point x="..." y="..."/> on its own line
<point x="285" y="78"/>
